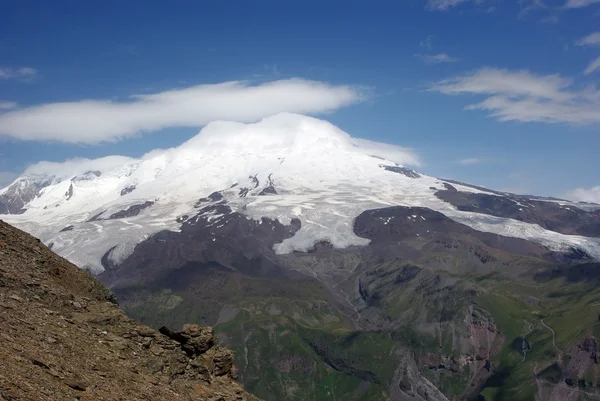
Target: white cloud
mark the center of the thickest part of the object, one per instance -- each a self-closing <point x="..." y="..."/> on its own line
<point x="469" y="161"/>
<point x="580" y="3"/>
<point x="23" y="73"/>
<point x="77" y="166"/>
<point x="511" y="83"/>
<point x="4" y="105"/>
<point x="94" y="121"/>
<point x="281" y="131"/>
<point x="442" y="5"/>
<point x="427" y="42"/>
<point x="526" y="97"/>
<point x="550" y="19"/>
<point x="395" y="153"/>
<point x="592" y="66"/>
<point x="533" y="5"/>
<point x="436" y="58"/>
<point x="585" y="194"/>
<point x="593" y="39"/>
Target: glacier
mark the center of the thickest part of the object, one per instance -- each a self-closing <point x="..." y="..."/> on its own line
<point x="321" y="175"/>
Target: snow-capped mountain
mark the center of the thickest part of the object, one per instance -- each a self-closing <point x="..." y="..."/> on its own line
<point x="284" y="167"/>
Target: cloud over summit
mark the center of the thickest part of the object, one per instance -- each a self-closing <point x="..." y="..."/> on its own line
<point x="94" y="121"/>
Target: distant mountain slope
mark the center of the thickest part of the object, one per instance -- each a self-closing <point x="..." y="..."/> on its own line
<point x="283" y="167"/>
<point x="63" y="338"/>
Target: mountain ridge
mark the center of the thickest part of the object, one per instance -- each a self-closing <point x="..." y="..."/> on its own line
<point x="286" y="166"/>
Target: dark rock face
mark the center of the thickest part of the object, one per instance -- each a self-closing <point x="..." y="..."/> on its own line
<point x="269" y="189"/>
<point x="237" y="244"/>
<point x="214" y="197"/>
<point x="96" y="217"/>
<point x="320" y="246"/>
<point x="182" y="218"/>
<point x="88" y="175"/>
<point x="390" y="225"/>
<point x="67" y="228"/>
<point x="449" y="187"/>
<point x="550" y="215"/>
<point x="22" y="192"/>
<point x="106" y="262"/>
<point x="69" y="193"/>
<point x="195" y="340"/>
<point x="401" y="170"/>
<point x="127" y="190"/>
<point x="131" y="211"/>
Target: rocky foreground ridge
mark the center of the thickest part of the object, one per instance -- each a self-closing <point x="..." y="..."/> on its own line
<point x="63" y="337"/>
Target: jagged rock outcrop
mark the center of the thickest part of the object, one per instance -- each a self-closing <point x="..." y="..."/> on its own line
<point x="64" y="338"/>
<point x="410" y="385"/>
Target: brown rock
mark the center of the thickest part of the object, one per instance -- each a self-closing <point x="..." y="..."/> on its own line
<point x="145" y="331"/>
<point x="38" y="362"/>
<point x="199" y="339"/>
<point x="16" y="298"/>
<point x="76" y="384"/>
<point x="222" y="361"/>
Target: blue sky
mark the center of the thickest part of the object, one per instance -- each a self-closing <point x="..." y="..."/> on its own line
<point x="500" y="93"/>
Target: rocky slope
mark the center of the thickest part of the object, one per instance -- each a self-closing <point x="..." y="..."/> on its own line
<point x="64" y="338"/>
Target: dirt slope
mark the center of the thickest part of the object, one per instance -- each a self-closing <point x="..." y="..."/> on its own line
<point x="63" y="338"/>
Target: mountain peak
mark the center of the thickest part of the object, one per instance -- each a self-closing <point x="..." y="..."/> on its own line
<point x="284" y="167"/>
<point x="283" y="131"/>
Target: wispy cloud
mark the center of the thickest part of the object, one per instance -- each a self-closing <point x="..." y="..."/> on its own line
<point x="469" y="161"/>
<point x="526" y="97"/>
<point x="580" y="3"/>
<point x="550" y="19"/>
<point x="398" y="154"/>
<point x="530" y="5"/>
<point x="585" y="194"/>
<point x="593" y="39"/>
<point x="427" y="42"/>
<point x="442" y="5"/>
<point x="94" y="121"/>
<point x="21" y="73"/>
<point x="4" y="105"/>
<point x="594" y="65"/>
<point x="436" y="58"/>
